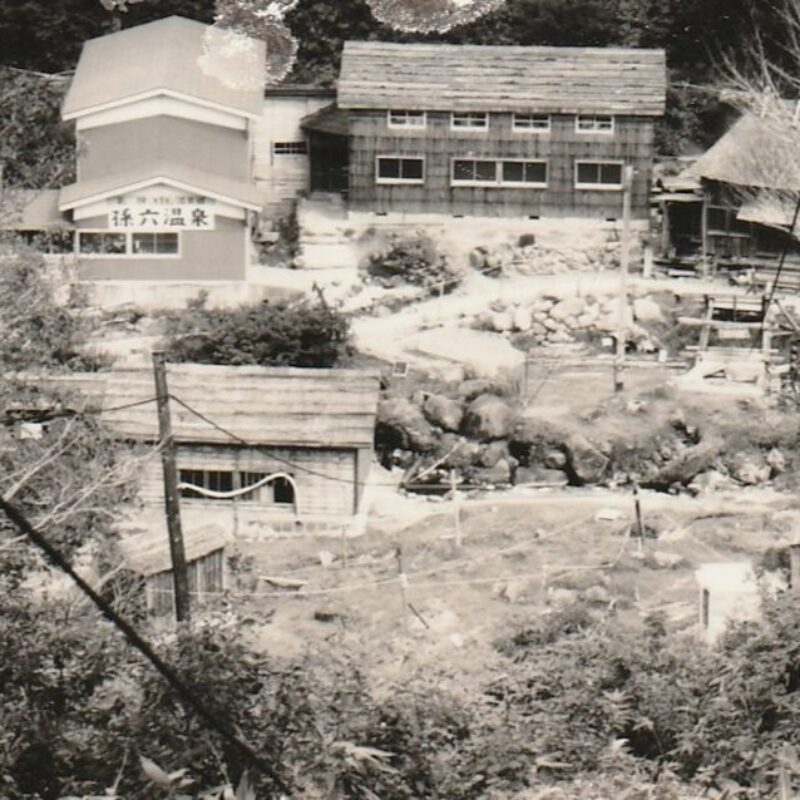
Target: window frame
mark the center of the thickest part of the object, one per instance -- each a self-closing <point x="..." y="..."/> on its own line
<point x="474" y="128"/>
<point x="301" y="143"/>
<point x="128" y="234"/>
<point x="399" y="181"/>
<point x="499" y="182"/>
<point x="529" y="129"/>
<point x="606" y="187"/>
<point x="594" y="130"/>
<point x="407" y="124"/>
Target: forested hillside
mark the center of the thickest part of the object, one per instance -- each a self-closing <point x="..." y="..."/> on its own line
<point x="697" y="34"/>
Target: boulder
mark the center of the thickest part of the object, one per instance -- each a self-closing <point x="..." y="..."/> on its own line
<point x="499" y="474"/>
<point x="502" y="321"/>
<point x="470" y="389"/>
<point x="585" y="463"/>
<point x="777" y="461"/>
<point x="571" y="307"/>
<point x="443" y="412"/>
<point x="666" y="560"/>
<point x="540" y="476"/>
<point x="682" y="468"/>
<point x="647" y="310"/>
<point x="597" y="594"/>
<point x="488" y="417"/>
<point x="522" y="319"/>
<point x="493" y="452"/>
<point x="477" y="257"/>
<point x="710" y="481"/>
<point x="402" y="425"/>
<point x="749" y="471"/>
<point x="555" y="459"/>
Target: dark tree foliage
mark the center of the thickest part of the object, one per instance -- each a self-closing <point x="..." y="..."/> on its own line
<point x="266" y="334"/>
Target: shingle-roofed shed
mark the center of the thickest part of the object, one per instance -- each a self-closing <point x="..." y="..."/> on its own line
<point x="557" y="80"/>
<point x="315" y="426"/>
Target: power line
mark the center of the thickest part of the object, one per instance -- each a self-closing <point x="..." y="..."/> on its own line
<point x="48" y="416"/>
<point x="185" y="692"/>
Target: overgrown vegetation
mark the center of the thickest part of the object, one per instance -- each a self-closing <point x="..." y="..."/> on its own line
<point x="580" y="703"/>
<point x="36" y="330"/>
<point x="412" y="260"/>
<point x="273" y="334"/>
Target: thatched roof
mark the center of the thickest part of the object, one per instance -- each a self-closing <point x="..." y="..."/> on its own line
<point x="280" y="406"/>
<point x="447" y="77"/>
<point x="757" y="152"/>
<point x="147" y="552"/>
<point x="161" y="57"/>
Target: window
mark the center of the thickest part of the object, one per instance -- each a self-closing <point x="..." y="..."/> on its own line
<point x="400" y="169"/>
<point x="282" y="492"/>
<point x="532" y="123"/>
<point x="97" y="243"/>
<point x="598" y="175"/>
<point x="289" y="148"/>
<point x="154" y="243"/>
<point x="490" y="173"/>
<point x="279" y="491"/>
<point x="469" y="121"/>
<point x="594" y="123"/>
<point x="113" y="244"/>
<point x="531" y="173"/>
<point x="406" y="119"/>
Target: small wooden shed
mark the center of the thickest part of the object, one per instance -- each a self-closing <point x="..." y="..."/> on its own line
<point x="146" y="553"/>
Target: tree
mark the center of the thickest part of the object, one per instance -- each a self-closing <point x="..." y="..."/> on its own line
<point x="267" y="334"/>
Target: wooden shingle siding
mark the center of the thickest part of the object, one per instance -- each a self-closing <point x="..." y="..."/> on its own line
<point x="381" y="75"/>
<point x="561" y="147"/>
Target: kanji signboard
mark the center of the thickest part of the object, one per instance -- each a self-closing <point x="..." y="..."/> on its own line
<point x="161" y="213"/>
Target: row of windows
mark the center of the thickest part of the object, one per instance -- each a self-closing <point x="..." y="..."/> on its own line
<point x="479" y="121"/>
<point x="488" y="172"/>
<point x="122" y="243"/>
<point x="279" y="491"/>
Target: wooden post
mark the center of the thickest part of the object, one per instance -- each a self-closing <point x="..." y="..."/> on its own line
<point x="180" y="574"/>
<point x="403" y="581"/>
<point x="638" y="508"/>
<point x="456" y="512"/>
<point x="704" y="235"/>
<point x="794" y="555"/>
<point x="624" y="264"/>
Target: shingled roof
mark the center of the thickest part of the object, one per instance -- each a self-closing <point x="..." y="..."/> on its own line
<point x="280" y="406"/>
<point x="164" y="56"/>
<point x="380" y="75"/>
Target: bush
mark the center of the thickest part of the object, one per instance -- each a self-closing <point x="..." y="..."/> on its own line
<point x="280" y="334"/>
<point x="414" y="260"/>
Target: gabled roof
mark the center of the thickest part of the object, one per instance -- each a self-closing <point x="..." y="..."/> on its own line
<point x="280" y="406"/>
<point x="162" y="57"/>
<point x="207" y="184"/>
<point x="448" y="77"/>
<point x="761" y="153"/>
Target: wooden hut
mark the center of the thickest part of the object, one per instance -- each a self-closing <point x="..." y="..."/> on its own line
<point x="492" y="130"/>
<point x="146" y="554"/>
<point x="263" y="449"/>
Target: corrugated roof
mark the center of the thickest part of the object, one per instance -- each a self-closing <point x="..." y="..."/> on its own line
<point x="756" y="152"/>
<point x="145" y="548"/>
<point x="32" y="210"/>
<point x="238" y="193"/>
<point x="446" y="77"/>
<point x="283" y="406"/>
<point x="164" y="55"/>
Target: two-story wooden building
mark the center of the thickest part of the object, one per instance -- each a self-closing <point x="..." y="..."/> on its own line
<point x="164" y="185"/>
<point x="499" y="131"/>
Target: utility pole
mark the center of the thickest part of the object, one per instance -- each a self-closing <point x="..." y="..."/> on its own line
<point x="624" y="264"/>
<point x="180" y="575"/>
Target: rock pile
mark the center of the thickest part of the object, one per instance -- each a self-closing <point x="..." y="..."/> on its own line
<point x="527" y="258"/>
<point x="550" y="320"/>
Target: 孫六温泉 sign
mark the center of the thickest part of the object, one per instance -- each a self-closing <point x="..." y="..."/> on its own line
<point x="161" y="214"/>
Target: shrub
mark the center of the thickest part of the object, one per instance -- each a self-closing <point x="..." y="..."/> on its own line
<point x="414" y="260"/>
<point x="266" y="334"/>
